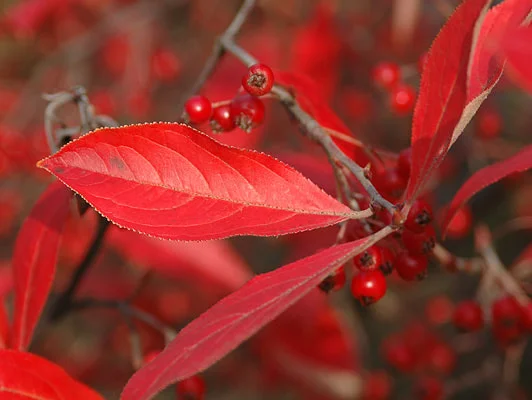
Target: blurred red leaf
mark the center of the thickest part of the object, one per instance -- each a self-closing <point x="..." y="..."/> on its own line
<point x="213" y="262"/>
<point x="235" y="318"/>
<point x="27" y="376"/>
<point x="443" y="108"/>
<point x="34" y="260"/>
<point x="485" y="177"/>
<point x="171" y="181"/>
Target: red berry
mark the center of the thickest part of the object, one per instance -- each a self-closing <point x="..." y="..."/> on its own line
<point x="258" y="81"/>
<point x="506" y="312"/>
<point x="198" y="109"/>
<point x="460" y="225"/>
<point x="335" y="281"/>
<point x="429" y="388"/>
<point x="419" y="243"/>
<point x="369" y="259"/>
<point x="377" y="386"/>
<point x="386" y="262"/>
<point x="386" y="74"/>
<point x="390" y="183"/>
<point x="411" y="267"/>
<point x="402" y="99"/>
<point x="248" y="112"/>
<point x="192" y="388"/>
<point x="419" y="216"/>
<point x="222" y="120"/>
<point x="165" y="65"/>
<point x="439" y="310"/>
<point x="489" y="124"/>
<point x="468" y="316"/>
<point x="404" y="163"/>
<point x="399" y="355"/>
<point x="441" y="358"/>
<point x="368" y="287"/>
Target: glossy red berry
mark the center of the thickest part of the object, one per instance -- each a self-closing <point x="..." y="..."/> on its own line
<point x="258" y="80"/>
<point x="439" y="310"/>
<point x="411" y="267"/>
<point x="390" y="183"/>
<point x="377" y="386"/>
<point x="368" y="287"/>
<point x="402" y="99"/>
<point x="419" y="216"/>
<point x="334" y="282"/>
<point x="386" y="74"/>
<point x="419" y="243"/>
<point x="222" y="119"/>
<point x="369" y="259"/>
<point x="404" y="163"/>
<point x="192" y="388"/>
<point x="428" y="388"/>
<point x="468" y="316"/>
<point x="460" y="225"/>
<point x="248" y="112"/>
<point x="198" y="109"/>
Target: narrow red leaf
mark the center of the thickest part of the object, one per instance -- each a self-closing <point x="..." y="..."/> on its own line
<point x="238" y="316"/>
<point x="34" y="260"/>
<point x="443" y="109"/>
<point x="27" y="376"/>
<point x="519" y="162"/>
<point x="171" y="181"/>
<point x="487" y="61"/>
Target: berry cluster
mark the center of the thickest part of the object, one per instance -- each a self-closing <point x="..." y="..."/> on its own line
<point x="401" y="96"/>
<point x="245" y="111"/>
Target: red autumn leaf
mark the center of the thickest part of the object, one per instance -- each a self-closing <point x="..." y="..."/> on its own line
<point x="34" y="260"/>
<point x="171" y="181"/>
<point x="444" y="108"/>
<point x="212" y="262"/>
<point x="488" y="59"/>
<point x="485" y="177"/>
<point x="238" y="316"/>
<point x="516" y="47"/>
<point x="27" y="376"/>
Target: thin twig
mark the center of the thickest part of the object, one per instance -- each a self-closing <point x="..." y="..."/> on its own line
<point x="218" y="48"/>
<point x="63" y="304"/>
<point x="125" y="308"/>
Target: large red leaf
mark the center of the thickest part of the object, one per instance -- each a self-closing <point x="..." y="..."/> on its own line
<point x="34" y="260"/>
<point x="443" y="108"/>
<point x="238" y="316"/>
<point x="485" y="177"/>
<point x="171" y="181"/>
<point x="24" y="376"/>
